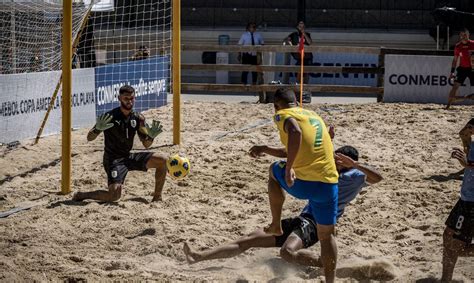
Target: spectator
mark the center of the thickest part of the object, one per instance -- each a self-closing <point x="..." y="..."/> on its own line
<point x="142" y="53"/>
<point x="294" y="39"/>
<point x="250" y="37"/>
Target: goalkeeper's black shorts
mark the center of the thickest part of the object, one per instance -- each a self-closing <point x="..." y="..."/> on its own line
<point x="117" y="169"/>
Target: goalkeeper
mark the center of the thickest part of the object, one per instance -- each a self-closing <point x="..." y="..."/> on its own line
<point x="119" y="127"/>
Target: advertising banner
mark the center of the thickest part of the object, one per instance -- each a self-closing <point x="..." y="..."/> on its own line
<point x="149" y="77"/>
<point x="26" y="97"/>
<point x="420" y="79"/>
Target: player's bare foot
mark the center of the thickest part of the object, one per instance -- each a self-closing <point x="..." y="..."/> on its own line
<point x="158" y="198"/>
<point x="191" y="256"/>
<point x="450" y="101"/>
<point x="273" y="229"/>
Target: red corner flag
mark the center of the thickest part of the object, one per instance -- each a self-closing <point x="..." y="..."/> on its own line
<point x="301" y="50"/>
<point x="301" y="44"/>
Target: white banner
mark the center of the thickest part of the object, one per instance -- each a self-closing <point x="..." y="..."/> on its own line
<point x="420" y="79"/>
<point x="25" y="98"/>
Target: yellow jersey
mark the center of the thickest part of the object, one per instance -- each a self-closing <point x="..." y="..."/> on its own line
<point x="315" y="158"/>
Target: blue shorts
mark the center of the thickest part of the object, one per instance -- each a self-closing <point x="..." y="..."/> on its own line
<point x="322" y="196"/>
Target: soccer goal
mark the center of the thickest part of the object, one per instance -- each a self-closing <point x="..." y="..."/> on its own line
<point x="105" y="44"/>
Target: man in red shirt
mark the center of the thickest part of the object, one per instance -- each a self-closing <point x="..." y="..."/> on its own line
<point x="463" y="50"/>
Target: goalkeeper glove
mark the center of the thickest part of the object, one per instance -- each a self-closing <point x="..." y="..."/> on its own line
<point x="103" y="122"/>
<point x="155" y="129"/>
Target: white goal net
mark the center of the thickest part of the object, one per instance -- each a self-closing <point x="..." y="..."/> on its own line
<point x="116" y="43"/>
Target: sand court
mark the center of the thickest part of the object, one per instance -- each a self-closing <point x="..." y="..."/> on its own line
<point x="392" y="231"/>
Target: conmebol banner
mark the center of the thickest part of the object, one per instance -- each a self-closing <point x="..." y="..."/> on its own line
<point x="420" y="79"/>
<point x="148" y="77"/>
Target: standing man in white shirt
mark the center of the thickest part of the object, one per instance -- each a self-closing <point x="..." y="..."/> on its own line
<point x="250" y="37"/>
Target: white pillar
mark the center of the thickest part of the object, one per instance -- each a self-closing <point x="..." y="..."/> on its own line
<point x="222" y="77"/>
<point x="448" y="39"/>
<point x="437" y="37"/>
<point x="269" y="58"/>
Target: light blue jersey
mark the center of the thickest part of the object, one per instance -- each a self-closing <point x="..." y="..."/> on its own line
<point x="350" y="184"/>
<point x="467" y="188"/>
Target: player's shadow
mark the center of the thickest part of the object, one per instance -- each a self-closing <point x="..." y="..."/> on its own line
<point x="138" y="199"/>
<point x="446" y="178"/>
<point x="67" y="202"/>
<point x="160" y="146"/>
<point x="434" y="280"/>
<point x="78" y="203"/>
<point x="428" y="280"/>
<point x="146" y="232"/>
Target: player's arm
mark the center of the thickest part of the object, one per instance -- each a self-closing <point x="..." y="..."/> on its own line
<point x="259" y="150"/>
<point x="454" y="63"/>
<point x="146" y="141"/>
<point x="93" y="134"/>
<point x="373" y="176"/>
<point x="276" y="151"/>
<point x="102" y="124"/>
<point x="294" y="141"/>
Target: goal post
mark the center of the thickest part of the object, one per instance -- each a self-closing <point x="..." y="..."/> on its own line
<point x="176" y="67"/>
<point x="138" y="43"/>
<point x="66" y="106"/>
<point x="83" y="54"/>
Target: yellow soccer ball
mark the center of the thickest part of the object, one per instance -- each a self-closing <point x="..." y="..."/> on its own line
<point x="178" y="166"/>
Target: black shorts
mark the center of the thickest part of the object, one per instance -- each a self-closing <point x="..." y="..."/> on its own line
<point x="304" y="228"/>
<point x="462" y="73"/>
<point x="117" y="169"/>
<point x="461" y="220"/>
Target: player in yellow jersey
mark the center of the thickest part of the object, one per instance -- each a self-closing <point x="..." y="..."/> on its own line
<point x="308" y="173"/>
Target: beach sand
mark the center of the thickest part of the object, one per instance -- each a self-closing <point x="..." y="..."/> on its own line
<point x="392" y="231"/>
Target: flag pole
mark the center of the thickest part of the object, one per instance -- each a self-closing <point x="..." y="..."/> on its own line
<point x="301" y="49"/>
<point x="301" y="78"/>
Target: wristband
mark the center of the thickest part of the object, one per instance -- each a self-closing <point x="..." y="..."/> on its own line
<point x="96" y="131"/>
<point x="452" y="70"/>
<point x="148" y="138"/>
